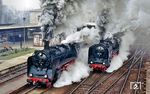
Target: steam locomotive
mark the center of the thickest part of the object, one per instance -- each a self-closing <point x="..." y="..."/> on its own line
<point x="45" y="66"/>
<point x="100" y="55"/>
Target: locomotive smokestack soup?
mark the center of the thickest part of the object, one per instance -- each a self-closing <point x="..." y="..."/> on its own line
<point x="46" y="44"/>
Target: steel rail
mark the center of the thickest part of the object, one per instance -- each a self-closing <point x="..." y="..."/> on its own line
<point x="139" y="73"/>
<point x="22" y="88"/>
<point x="77" y="87"/>
<point x="126" y="72"/>
<point x="12" y="74"/>
<point x="127" y="76"/>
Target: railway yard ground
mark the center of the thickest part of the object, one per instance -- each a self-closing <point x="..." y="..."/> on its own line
<point x="132" y="78"/>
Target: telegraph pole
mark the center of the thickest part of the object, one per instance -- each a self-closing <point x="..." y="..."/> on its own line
<point x="24" y="19"/>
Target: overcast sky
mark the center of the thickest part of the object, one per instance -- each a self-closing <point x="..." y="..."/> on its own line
<point x="23" y="4"/>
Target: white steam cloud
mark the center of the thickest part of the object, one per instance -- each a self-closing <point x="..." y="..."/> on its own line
<point x="86" y="35"/>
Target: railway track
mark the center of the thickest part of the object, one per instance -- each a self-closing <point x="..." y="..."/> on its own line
<point x="128" y="74"/>
<point x="104" y="83"/>
<point x="12" y="72"/>
<point x="29" y="89"/>
<point x="25" y="88"/>
<point x="101" y="83"/>
<point x="87" y="82"/>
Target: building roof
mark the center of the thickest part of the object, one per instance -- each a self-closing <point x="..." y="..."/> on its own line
<point x="14" y="27"/>
<point x="36" y="10"/>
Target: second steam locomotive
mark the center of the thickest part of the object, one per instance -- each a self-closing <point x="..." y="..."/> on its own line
<point x="100" y="55"/>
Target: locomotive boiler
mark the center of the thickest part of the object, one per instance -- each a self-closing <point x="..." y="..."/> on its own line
<point x="45" y="66"/>
<point x="100" y="55"/>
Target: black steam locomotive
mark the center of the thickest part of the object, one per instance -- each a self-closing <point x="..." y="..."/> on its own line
<point x="44" y="66"/>
<point x="100" y="55"/>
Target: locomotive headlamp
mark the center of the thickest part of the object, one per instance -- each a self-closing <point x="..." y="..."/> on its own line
<point x="45" y="76"/>
<point x="30" y="74"/>
<point x="91" y="62"/>
<point x="99" y="53"/>
<point x="100" y="48"/>
<point x="40" y="54"/>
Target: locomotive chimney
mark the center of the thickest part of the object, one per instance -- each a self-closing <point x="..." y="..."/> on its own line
<point x="48" y="35"/>
<point x="46" y="44"/>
